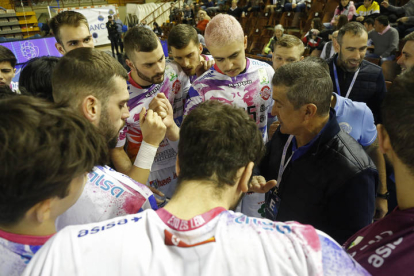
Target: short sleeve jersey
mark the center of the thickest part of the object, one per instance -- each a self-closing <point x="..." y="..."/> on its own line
<point x="218" y="242"/>
<point x="175" y="87"/>
<point x="356" y="119"/>
<point x="251" y="90"/>
<point x="385" y="247"/>
<point x="17" y="250"/>
<point x="107" y="194"/>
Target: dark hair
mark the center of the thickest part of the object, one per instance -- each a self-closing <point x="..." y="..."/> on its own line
<point x="383" y="20"/>
<point x="110" y="16"/>
<point x="42" y="148"/>
<point x="369" y="21"/>
<point x="181" y="35"/>
<point x="7" y="56"/>
<point x="70" y="18"/>
<point x="156" y="24"/>
<point x="341" y="8"/>
<point x="317" y="24"/>
<point x="342" y="21"/>
<point x="83" y="72"/>
<point x="306" y="82"/>
<point x="6" y="92"/>
<point x="354" y="28"/>
<point x="140" y="39"/>
<point x="322" y="62"/>
<point x="36" y="77"/>
<point x="409" y="37"/>
<point x="216" y="140"/>
<point x="398" y="117"/>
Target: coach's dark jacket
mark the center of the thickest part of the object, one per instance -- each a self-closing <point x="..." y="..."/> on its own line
<point x="369" y="85"/>
<point x="331" y="187"/>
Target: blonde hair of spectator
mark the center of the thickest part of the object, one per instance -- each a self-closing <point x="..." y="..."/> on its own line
<point x="290" y="41"/>
<point x="222" y="30"/>
<point x="279" y="27"/>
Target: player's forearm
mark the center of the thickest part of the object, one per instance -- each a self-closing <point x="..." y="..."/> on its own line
<point x="120" y="160"/>
<point x="379" y="161"/>
<point x="139" y="174"/>
<point x="173" y="133"/>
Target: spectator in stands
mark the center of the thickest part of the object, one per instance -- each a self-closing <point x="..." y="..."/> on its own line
<point x="287" y="49"/>
<point x="217" y="7"/>
<point x="144" y="24"/>
<point x="329" y="49"/>
<point x="186" y="50"/>
<point x="71" y="30"/>
<point x="7" y="66"/>
<point x="113" y="35"/>
<point x="384" y="39"/>
<point x="311" y="39"/>
<point x="369" y="9"/>
<point x="369" y="24"/>
<point x="234" y="10"/>
<point x="269" y="47"/>
<point x="345" y="7"/>
<point x="188" y="15"/>
<point x="325" y="34"/>
<point x="157" y="29"/>
<point x="201" y="25"/>
<point x="36" y="77"/>
<point x="174" y="13"/>
<point x="119" y="26"/>
<point x="45" y="156"/>
<point x="295" y="5"/>
<point x="324" y="177"/>
<point x="274" y="6"/>
<point x="354" y="77"/>
<point x="385" y="247"/>
<point x="406" y="61"/>
<point x="252" y="5"/>
<point x="406" y="23"/>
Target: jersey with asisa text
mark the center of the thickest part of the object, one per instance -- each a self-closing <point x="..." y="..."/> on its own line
<point x="218" y="242"/>
<point x="107" y="194"/>
<point x="175" y="87"/>
<point x="251" y="90"/>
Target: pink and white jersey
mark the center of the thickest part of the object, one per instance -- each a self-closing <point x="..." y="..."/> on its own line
<point x="107" y="194"/>
<point x="17" y="250"/>
<point x="218" y="242"/>
<point x="175" y="87"/>
<point x="251" y="90"/>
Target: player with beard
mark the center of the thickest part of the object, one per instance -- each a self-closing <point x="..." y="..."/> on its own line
<point x="151" y="79"/>
<point x="352" y="76"/>
<point x="94" y="84"/>
<point x="195" y="233"/>
<point x="186" y="50"/>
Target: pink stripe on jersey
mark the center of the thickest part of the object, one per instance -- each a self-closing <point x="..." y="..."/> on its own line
<point x="24" y="239"/>
<point x="187" y="225"/>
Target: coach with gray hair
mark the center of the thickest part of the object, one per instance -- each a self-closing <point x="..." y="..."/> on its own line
<point x="324" y="177"/>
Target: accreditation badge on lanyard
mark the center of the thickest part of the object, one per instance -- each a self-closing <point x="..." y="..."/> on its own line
<point x="338" y="89"/>
<point x="273" y="199"/>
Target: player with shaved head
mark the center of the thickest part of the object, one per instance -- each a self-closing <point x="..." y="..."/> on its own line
<point x="235" y="80"/>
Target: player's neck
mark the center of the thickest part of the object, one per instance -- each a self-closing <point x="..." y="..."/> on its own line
<point x="30" y="227"/>
<point x="139" y="81"/>
<point x="311" y="130"/>
<point x="404" y="185"/>
<point x="195" y="198"/>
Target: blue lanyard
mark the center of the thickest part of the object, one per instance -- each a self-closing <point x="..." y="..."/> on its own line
<point x="337" y="81"/>
<point x="282" y="166"/>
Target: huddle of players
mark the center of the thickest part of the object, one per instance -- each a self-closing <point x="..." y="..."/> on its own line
<point x="201" y="170"/>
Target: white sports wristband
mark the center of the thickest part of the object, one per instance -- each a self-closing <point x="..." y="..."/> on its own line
<point x="145" y="156"/>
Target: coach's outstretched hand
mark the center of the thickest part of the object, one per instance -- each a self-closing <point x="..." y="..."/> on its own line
<point x="259" y="184"/>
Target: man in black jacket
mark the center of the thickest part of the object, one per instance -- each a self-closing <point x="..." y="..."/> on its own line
<point x="352" y="76"/>
<point x="324" y="177"/>
<point x="113" y="34"/>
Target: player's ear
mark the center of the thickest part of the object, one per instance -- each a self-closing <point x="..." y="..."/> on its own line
<point x="245" y="42"/>
<point x="177" y="166"/>
<point x="246" y="174"/>
<point x="60" y="48"/>
<point x="91" y="109"/>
